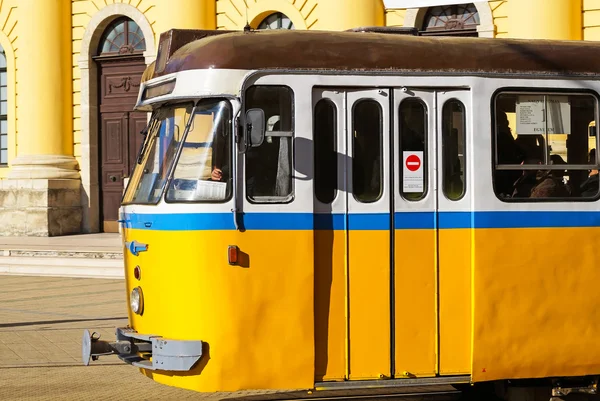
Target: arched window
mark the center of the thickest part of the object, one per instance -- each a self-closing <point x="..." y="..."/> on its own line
<point x="123" y="36"/>
<point x="455" y="20"/>
<point x="3" y="109"/>
<point x="276" y="21"/>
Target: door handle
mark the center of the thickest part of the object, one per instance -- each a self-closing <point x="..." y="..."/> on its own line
<point x="113" y="178"/>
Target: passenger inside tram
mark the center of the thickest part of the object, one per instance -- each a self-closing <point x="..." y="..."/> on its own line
<point x="565" y="142"/>
<point x="590" y="186"/>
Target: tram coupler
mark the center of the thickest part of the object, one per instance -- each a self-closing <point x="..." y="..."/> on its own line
<point x="565" y="387"/>
<point x="93" y="348"/>
<point x="144" y="351"/>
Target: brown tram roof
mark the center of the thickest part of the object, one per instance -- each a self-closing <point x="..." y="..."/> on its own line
<point x="377" y="52"/>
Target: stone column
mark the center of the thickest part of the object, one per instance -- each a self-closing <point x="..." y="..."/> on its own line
<point x="545" y="19"/>
<point x="41" y="196"/>
<point x="188" y="14"/>
<point x="339" y="15"/>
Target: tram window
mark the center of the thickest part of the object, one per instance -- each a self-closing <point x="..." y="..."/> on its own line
<point x="165" y="133"/>
<point x="269" y="166"/>
<point x="453" y="149"/>
<point x="367" y="165"/>
<point x="324" y="134"/>
<point x="543" y="149"/>
<point x="413" y="138"/>
<point x="203" y="171"/>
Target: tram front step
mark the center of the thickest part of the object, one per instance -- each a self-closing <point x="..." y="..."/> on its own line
<point x="90" y="264"/>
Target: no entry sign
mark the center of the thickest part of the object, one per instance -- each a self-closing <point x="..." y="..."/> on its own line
<point x="412" y="172"/>
<point x="413" y="162"/>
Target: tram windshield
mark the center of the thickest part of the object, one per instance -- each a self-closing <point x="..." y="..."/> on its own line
<point x="202" y="172"/>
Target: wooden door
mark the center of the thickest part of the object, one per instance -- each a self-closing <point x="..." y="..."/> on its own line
<point x="119" y="131"/>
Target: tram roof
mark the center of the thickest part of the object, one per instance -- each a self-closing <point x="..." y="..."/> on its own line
<point x="364" y="52"/>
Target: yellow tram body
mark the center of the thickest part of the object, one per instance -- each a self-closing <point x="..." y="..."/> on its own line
<point x="477" y="294"/>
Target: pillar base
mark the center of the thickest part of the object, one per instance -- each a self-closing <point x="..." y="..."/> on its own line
<point x="44" y="166"/>
<point x="40" y="207"/>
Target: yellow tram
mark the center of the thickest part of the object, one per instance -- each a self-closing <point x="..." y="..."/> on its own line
<point x="317" y="207"/>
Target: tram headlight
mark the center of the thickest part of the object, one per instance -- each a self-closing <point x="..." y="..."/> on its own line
<point x="136" y="301"/>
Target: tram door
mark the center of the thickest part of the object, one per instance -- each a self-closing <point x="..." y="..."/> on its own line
<point x="352" y="234"/>
<point x="391" y="302"/>
<point x="432" y="244"/>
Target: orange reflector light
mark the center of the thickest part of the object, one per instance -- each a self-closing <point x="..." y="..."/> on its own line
<point x="137" y="272"/>
<point x="232" y="254"/>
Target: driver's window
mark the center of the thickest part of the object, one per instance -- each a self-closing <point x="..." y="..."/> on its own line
<point x="269" y="166"/>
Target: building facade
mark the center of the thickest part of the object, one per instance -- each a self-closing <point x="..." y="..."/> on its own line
<point x="70" y="71"/>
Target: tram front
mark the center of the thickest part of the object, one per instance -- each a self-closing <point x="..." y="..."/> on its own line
<point x="177" y="208"/>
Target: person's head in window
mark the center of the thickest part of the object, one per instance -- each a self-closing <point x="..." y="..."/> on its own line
<point x="531" y="146"/>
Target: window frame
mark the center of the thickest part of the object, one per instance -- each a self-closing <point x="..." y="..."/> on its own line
<point x="335" y="116"/>
<point x="381" y="137"/>
<point x="279" y="16"/>
<point x="465" y="158"/>
<point x="536" y="167"/>
<point x="232" y="149"/>
<point x="425" y="150"/>
<point x="131" y="50"/>
<point x="273" y="200"/>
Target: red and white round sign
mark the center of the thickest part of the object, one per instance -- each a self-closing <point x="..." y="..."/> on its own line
<point x="413" y="163"/>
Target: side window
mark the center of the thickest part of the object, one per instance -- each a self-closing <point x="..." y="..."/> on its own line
<point x="269" y="166"/>
<point x="367" y="168"/>
<point x="413" y="141"/>
<point x="453" y="149"/>
<point x="324" y="136"/>
<point x="545" y="146"/>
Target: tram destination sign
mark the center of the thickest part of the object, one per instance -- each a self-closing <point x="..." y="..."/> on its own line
<point x="540" y="114"/>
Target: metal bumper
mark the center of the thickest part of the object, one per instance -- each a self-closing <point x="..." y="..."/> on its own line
<point x="144" y="351"/>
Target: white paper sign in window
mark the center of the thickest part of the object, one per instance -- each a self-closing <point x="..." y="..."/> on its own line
<point x="539" y="114"/>
<point x="412" y="171"/>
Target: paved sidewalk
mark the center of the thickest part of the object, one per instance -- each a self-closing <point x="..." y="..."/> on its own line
<point x="104" y="242"/>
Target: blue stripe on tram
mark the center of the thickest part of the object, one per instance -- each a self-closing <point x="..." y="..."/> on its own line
<point x="363" y="221"/>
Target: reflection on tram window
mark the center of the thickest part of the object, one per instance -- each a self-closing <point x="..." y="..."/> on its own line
<point x="453" y="149"/>
<point x="545" y="148"/>
<point x="203" y="171"/>
<point x="367" y="164"/>
<point x="165" y="132"/>
<point x="269" y="166"/>
<point x="324" y="134"/>
<point x="413" y="138"/>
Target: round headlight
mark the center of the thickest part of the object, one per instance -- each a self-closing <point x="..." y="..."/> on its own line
<point x="136" y="301"/>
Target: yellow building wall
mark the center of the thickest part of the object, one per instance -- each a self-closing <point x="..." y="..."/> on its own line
<point x="591" y="19"/>
<point x="395" y="17"/>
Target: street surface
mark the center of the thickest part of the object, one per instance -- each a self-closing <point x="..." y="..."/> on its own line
<point x="41" y="324"/>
